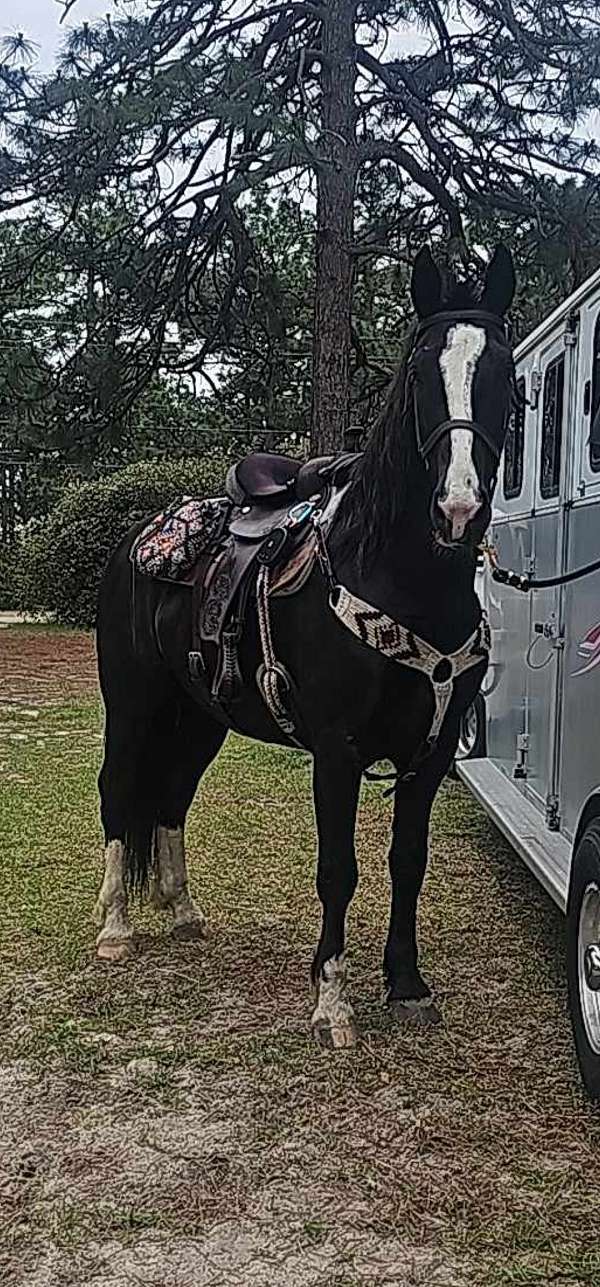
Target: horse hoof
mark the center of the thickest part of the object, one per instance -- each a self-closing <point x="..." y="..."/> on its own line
<point x="421" y="1014"/>
<point x="190" y="931"/>
<point x="335" y="1036"/>
<point x="115" y="949"/>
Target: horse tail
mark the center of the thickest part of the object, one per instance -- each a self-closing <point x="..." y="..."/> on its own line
<point x="140" y="854"/>
<point x="146" y="795"/>
<point x="141" y="710"/>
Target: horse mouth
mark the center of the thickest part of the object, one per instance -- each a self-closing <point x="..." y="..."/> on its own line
<point x="446" y="545"/>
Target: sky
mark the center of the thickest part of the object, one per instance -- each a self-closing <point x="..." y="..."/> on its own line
<point x="40" y="21"/>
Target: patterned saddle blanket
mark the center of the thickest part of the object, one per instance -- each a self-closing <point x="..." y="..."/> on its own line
<point x="170" y="546"/>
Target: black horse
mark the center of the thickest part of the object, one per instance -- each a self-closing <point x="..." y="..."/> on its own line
<point x="403" y="546"/>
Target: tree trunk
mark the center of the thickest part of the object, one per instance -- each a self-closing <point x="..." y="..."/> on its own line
<point x="336" y="184"/>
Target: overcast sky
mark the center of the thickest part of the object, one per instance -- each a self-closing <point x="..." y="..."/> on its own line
<point x="40" y="21"/>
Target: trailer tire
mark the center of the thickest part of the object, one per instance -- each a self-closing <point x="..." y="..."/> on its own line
<point x="471" y="737"/>
<point x="583" y="929"/>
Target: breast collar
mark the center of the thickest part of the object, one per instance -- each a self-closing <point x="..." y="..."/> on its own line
<point x="402" y="645"/>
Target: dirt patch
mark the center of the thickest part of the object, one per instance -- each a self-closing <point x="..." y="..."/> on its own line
<point x="223" y="1205"/>
<point x="169" y="1122"/>
<point x="237" y="1255"/>
<point x="39" y="667"/>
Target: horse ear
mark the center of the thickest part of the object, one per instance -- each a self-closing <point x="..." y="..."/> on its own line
<point x="499" y="286"/>
<point x="426" y="284"/>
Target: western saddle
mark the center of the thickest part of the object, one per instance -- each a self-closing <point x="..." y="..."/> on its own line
<point x="271" y="502"/>
<point x="265" y="480"/>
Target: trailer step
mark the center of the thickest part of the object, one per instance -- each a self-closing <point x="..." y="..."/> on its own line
<point x="546" y="853"/>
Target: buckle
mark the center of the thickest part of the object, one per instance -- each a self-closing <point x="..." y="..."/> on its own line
<point x="196" y="665"/>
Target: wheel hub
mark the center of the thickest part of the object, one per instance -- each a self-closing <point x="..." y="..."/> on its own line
<point x="591" y="965"/>
<point x="468" y="732"/>
<point x="588" y="956"/>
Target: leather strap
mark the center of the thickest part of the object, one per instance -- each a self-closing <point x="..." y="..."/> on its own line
<point x="426" y="445"/>
<point x="477" y="316"/>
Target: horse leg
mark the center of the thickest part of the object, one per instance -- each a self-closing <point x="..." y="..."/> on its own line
<point x="191" y="746"/>
<point x="115" y="940"/>
<point x="117" y="783"/>
<point x="408" y="996"/>
<point x="336" y="787"/>
<point x="170" y="889"/>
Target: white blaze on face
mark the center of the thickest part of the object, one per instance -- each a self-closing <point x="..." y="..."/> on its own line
<point x="458" y="360"/>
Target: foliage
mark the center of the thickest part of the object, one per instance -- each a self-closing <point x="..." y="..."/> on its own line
<point x="142" y="155"/>
<point x="64" y="555"/>
<point x="9" y="574"/>
<point x="54" y="379"/>
<point x="554" y="252"/>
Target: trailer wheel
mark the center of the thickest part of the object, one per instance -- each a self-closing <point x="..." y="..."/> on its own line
<point x="583" y="955"/>
<point x="471" y="737"/>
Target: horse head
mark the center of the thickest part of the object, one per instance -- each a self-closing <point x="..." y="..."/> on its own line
<point x="460" y="377"/>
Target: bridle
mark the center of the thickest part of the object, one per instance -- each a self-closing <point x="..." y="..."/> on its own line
<point x="426" y="445"/>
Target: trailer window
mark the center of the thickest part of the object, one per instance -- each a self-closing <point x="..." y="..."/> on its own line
<point x="513" y="447"/>
<point x="595" y="405"/>
<point x="554" y="381"/>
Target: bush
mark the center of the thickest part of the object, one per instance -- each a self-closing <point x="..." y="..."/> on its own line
<point x="64" y="555"/>
<point x="10" y="559"/>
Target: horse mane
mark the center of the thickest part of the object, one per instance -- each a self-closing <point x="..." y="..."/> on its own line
<point x="378" y="494"/>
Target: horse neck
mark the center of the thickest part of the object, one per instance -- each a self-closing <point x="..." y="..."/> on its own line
<point x="418" y="584"/>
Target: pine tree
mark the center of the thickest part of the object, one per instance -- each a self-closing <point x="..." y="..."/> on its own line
<point x="180" y="114"/>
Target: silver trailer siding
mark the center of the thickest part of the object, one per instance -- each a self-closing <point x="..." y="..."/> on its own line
<point x="540" y="780"/>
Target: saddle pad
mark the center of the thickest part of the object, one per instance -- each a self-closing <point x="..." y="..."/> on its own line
<point x="169" y="547"/>
<point x="291" y="575"/>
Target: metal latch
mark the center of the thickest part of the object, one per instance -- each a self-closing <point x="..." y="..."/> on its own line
<point x="536" y="384"/>
<point x="571" y="329"/>
<point x="520" y="768"/>
<point x="549" y="630"/>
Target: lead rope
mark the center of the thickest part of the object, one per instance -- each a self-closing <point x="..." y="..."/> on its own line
<point x="521" y="581"/>
<point x="272" y="677"/>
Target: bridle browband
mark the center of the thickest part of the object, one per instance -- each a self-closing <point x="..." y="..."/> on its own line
<point x="480" y="317"/>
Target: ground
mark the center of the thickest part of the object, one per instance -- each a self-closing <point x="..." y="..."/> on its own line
<point x="168" y="1122"/>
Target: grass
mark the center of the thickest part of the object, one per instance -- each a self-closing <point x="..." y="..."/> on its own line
<point x="42" y="627"/>
<point x="463" y="1155"/>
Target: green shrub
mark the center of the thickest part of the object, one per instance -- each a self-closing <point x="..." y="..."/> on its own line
<point x="10" y="558"/>
<point x="64" y="555"/>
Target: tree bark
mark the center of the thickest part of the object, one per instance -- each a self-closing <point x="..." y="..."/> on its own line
<point x="336" y="186"/>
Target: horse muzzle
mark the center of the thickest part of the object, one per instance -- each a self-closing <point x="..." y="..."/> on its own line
<point x="459" y="511"/>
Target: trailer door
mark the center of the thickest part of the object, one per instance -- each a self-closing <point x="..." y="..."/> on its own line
<point x="556" y="367"/>
<point x="580" y="741"/>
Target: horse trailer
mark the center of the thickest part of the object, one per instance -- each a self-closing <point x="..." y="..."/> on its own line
<point x="530" y="745"/>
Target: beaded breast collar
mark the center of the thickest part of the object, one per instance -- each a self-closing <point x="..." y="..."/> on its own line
<point x="392" y="640"/>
